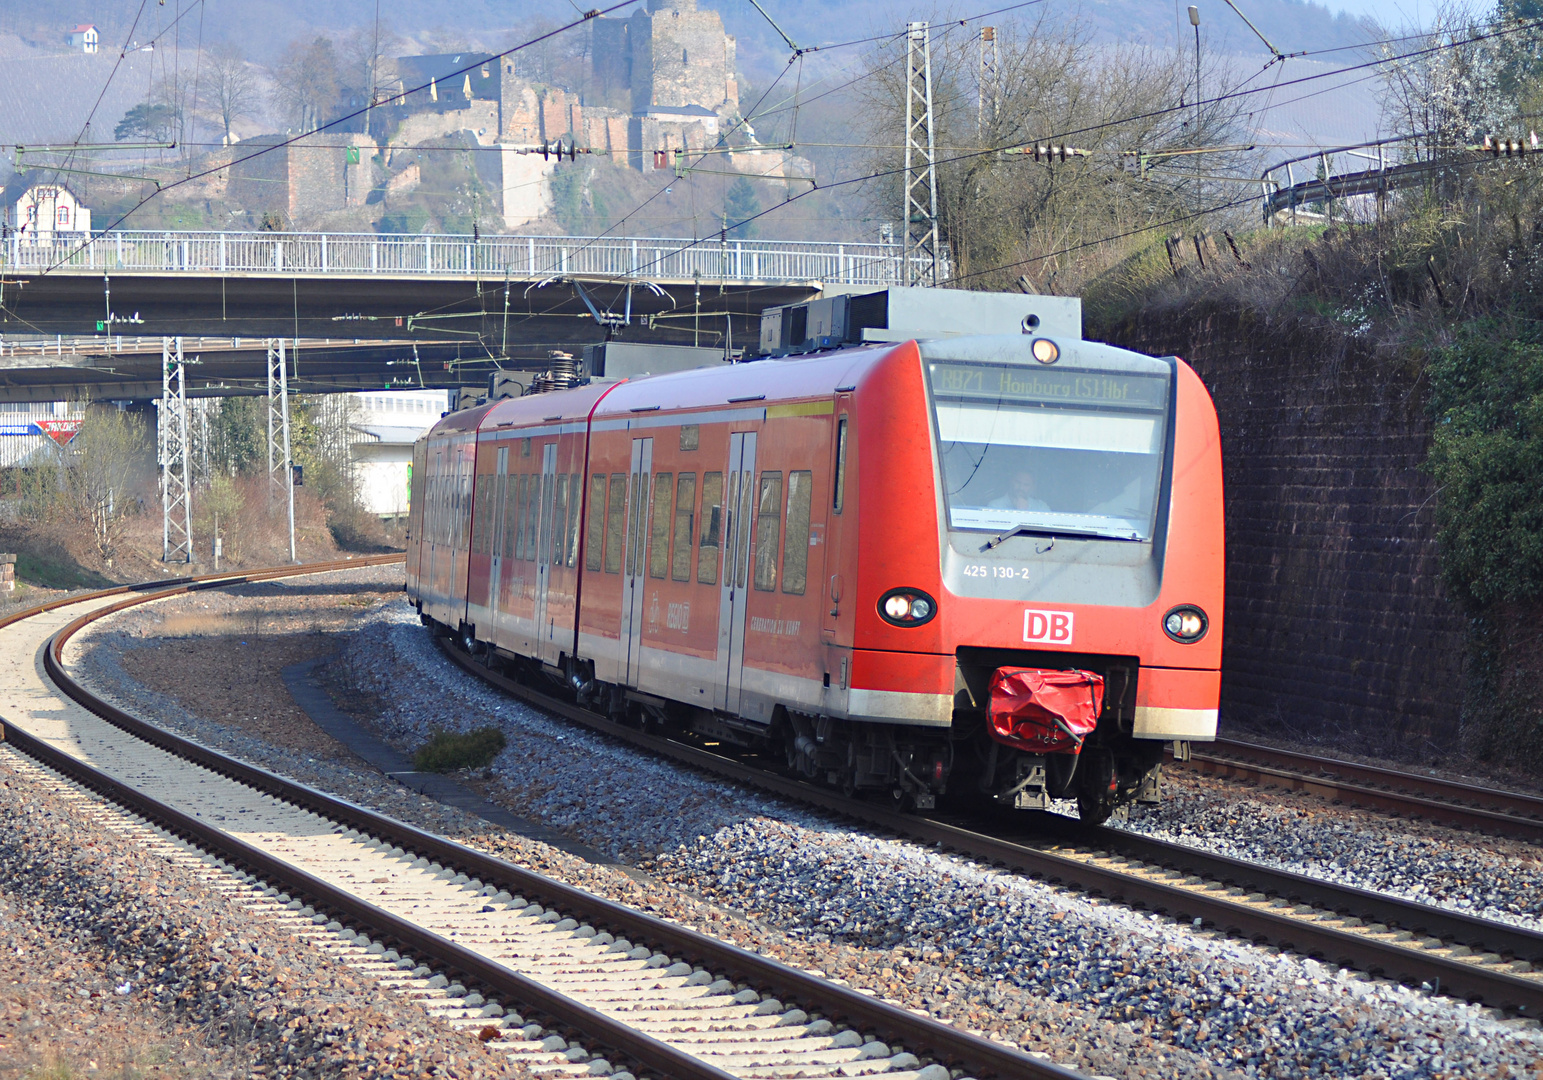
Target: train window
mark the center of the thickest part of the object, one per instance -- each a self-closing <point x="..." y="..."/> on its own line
<point x="742" y="530"/>
<point x="795" y="552"/>
<point x="560" y="521"/>
<point x="575" y="507"/>
<point x="685" y="503"/>
<point x="690" y="436"/>
<point x="479" y="530"/>
<point x="546" y="521"/>
<point x="615" y="522"/>
<point x="532" y="515"/>
<point x="768" y="526"/>
<point x="596" y="534"/>
<point x="841" y="464"/>
<point x="522" y="508"/>
<point x="712" y="527"/>
<point x="730" y="516"/>
<point x="511" y="515"/>
<point x="659" y="528"/>
<point x="525" y="447"/>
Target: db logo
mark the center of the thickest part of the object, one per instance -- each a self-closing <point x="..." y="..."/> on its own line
<point x="1054" y="627"/>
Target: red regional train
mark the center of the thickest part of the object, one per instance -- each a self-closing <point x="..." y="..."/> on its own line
<point x="989" y="564"/>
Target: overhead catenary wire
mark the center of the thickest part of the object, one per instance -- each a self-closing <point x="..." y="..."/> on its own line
<point x="1152" y="114"/>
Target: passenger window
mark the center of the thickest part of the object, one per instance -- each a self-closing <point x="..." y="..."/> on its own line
<point x="742" y="530"/>
<point x="841" y="465"/>
<point x="730" y="516"/>
<point x="479" y="531"/>
<point x="768" y="527"/>
<point x="615" y="523"/>
<point x="532" y="514"/>
<point x="544" y="538"/>
<point x="685" y="503"/>
<point x="575" y="509"/>
<point x="712" y="526"/>
<point x="795" y="553"/>
<point x="635" y="526"/>
<point x="560" y="521"/>
<point x="496" y="529"/>
<point x="595" y="536"/>
<point x="519" y="501"/>
<point x="511" y="515"/>
<point x="659" y="528"/>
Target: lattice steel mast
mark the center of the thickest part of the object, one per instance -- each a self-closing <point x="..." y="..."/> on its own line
<point x="172" y="436"/>
<point x="921" y="171"/>
<point x="989" y="81"/>
<point x="281" y="473"/>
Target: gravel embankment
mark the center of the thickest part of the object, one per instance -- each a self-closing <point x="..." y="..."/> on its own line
<point x="1493" y="877"/>
<point x="959" y="938"/>
<point x="119" y="962"/>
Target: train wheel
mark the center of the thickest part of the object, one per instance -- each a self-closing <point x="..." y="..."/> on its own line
<point x="1098" y="788"/>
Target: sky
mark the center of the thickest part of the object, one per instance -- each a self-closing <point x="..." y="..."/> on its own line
<point x="1389" y="12"/>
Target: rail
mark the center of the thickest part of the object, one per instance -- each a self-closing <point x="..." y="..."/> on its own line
<point x="979" y="1056"/>
<point x="291" y="254"/>
<point x="1373" y="927"/>
<point x="1492" y="810"/>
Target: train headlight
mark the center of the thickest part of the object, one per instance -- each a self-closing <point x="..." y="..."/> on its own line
<point x="1185" y="624"/>
<point x="1045" y="350"/>
<point x="907" y="607"/>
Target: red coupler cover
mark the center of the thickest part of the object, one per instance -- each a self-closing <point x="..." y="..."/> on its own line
<point x="1044" y="711"/>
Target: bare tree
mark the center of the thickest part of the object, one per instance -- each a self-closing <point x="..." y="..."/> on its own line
<point x="308" y="84"/>
<point x="1003" y="213"/>
<point x="233" y="90"/>
<point x="369" y="60"/>
<point x="99" y="472"/>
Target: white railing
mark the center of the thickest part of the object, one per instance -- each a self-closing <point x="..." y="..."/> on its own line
<point x="515" y="257"/>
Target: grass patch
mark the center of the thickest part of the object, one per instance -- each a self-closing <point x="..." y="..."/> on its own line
<point x="56" y="571"/>
<point x="449" y="751"/>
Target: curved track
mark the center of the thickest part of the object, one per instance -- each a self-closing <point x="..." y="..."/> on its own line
<point x="1460" y="955"/>
<point x="1509" y="813"/>
<point x="420" y="911"/>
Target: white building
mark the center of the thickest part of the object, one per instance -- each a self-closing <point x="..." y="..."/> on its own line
<point x="385" y="425"/>
<point x="83" y="37"/>
<point x="31" y="433"/>
<point x="44" y="210"/>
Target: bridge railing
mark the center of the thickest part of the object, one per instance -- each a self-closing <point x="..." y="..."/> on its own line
<point x="521" y="257"/>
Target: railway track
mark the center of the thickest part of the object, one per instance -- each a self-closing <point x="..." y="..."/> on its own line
<point x="1417" y="944"/>
<point x="571" y="983"/>
<point x="1507" y="813"/>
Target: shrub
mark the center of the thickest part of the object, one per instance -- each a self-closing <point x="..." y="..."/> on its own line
<point x="1487" y="455"/>
<point x="449" y="751"/>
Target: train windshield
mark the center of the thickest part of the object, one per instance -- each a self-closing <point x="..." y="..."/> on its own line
<point x="1066" y="451"/>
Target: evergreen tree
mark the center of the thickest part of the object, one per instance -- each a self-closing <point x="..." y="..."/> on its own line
<point x="739" y="207"/>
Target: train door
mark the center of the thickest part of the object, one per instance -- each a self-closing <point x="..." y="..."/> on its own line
<point x="439" y="518"/>
<point x="543" y="551"/>
<point x="496" y="543"/>
<point x="416" y="475"/>
<point x="835" y="599"/>
<point x="733" y="588"/>
<point x="635" y="588"/>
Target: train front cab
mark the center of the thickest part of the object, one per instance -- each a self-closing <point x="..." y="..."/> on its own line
<point x="1059" y="510"/>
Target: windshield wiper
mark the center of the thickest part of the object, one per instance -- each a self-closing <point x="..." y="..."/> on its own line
<point x="1053" y="532"/>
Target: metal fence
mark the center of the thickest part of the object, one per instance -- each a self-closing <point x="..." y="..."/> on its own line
<point x="522" y="257"/>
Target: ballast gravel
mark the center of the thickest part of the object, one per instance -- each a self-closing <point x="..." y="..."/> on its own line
<point x="1095" y="987"/>
<point x="1493" y="877"/>
<point x="118" y="962"/>
<point x="955" y="928"/>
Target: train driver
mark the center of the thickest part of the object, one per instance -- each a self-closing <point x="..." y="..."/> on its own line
<point x="1021" y="489"/>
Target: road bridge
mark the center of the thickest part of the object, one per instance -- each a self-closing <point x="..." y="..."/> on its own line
<point x="528" y="292"/>
<point x="123" y="368"/>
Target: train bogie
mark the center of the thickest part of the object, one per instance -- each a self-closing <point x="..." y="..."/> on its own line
<point x="908" y="568"/>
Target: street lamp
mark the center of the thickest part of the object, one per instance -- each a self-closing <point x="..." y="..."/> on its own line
<point x="1194" y="20"/>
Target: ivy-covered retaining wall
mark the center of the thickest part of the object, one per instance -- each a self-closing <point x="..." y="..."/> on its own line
<point x="1337" y="625"/>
